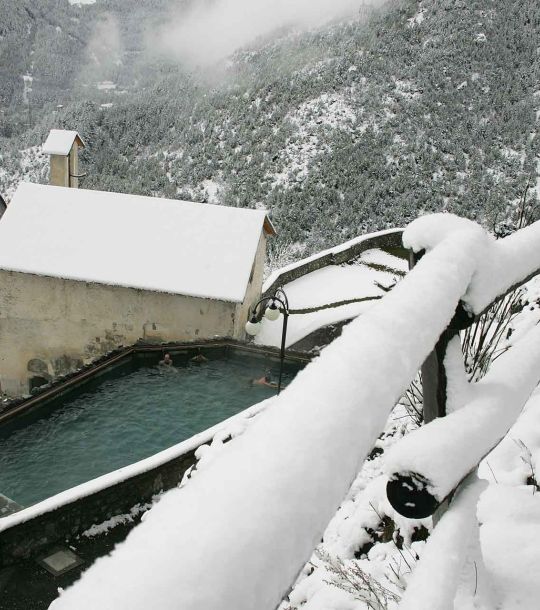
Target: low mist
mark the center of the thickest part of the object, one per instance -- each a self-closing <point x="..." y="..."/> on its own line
<point x="211" y="30"/>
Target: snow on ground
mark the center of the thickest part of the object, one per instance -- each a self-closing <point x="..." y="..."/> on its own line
<point x="27" y="79"/>
<point x="301" y="326"/>
<point x="328" y="110"/>
<point x="509" y="534"/>
<point x="212" y="190"/>
<point x="418" y="18"/>
<point x="332" y="284"/>
<point x="446" y="578"/>
<point x="406" y="89"/>
<point x="324" y="286"/>
<point x="298" y="155"/>
<point x="106" y="85"/>
<point x="380" y="257"/>
<point x="331" y="110"/>
<point x="109" y="524"/>
<point x="509" y="512"/>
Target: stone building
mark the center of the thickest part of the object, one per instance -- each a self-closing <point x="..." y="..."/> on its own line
<point x="83" y="272"/>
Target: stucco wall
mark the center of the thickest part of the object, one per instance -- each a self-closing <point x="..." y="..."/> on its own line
<point x="59" y="175"/>
<point x="49" y="326"/>
<point x="74" y="166"/>
<point x="253" y="292"/>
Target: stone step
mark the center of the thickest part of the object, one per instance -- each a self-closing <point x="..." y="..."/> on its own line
<point x="8" y="506"/>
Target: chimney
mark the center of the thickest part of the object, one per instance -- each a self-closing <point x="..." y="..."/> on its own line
<point x="63" y="148"/>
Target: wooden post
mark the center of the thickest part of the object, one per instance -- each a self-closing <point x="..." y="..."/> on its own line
<point x="434" y="379"/>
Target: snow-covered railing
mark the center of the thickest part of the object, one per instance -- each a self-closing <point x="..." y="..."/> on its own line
<point x="432" y="470"/>
<point x="426" y="466"/>
<point x="455" y="444"/>
<point x="239" y="532"/>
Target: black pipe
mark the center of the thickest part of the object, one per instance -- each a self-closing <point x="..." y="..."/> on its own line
<point x="282" y="352"/>
<point x="409" y="496"/>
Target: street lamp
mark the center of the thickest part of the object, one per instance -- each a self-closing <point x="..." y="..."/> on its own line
<point x="271" y="308"/>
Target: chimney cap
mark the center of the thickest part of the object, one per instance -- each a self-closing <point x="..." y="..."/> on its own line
<point x="61" y="141"/>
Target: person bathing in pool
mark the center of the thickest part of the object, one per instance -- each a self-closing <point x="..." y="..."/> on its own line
<point x="167" y="360"/>
<point x="199" y="358"/>
<point x="265" y="380"/>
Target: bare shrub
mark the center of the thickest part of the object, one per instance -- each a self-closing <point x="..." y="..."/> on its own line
<point x="357" y="582"/>
<point x="481" y="342"/>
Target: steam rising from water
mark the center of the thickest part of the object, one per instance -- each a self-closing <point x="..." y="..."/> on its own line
<point x="210" y="31"/>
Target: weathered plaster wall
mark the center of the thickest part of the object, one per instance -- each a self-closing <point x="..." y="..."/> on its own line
<point x="49" y="326"/>
<point x="59" y="175"/>
<point x="253" y="292"/>
<point x="73" y="166"/>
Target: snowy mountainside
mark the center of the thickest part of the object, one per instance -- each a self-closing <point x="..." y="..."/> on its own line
<point x="339" y="131"/>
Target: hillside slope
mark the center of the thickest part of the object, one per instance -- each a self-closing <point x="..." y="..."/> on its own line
<point x="353" y="128"/>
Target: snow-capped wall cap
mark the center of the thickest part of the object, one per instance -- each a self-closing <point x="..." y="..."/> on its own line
<point x="150" y="243"/>
<point x="60" y="142"/>
<point x="426" y="232"/>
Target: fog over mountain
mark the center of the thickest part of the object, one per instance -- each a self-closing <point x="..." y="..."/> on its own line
<point x="209" y="31"/>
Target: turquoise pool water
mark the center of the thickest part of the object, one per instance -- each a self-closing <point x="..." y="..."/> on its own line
<point x="134" y="414"/>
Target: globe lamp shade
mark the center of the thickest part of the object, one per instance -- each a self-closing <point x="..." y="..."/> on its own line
<point x="253" y="327"/>
<point x="272" y="312"/>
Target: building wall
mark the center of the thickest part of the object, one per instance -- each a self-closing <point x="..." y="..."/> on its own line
<point x="253" y="291"/>
<point x="73" y="167"/>
<point x="59" y="175"/>
<point x="49" y="326"/>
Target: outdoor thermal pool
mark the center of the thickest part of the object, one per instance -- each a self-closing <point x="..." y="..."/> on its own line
<point x="130" y="413"/>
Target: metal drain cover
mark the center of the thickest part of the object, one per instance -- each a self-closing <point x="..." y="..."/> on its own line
<point x="59" y="561"/>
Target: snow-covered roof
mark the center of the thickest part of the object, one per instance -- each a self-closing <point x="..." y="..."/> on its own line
<point x="163" y="245"/>
<point x="60" y="141"/>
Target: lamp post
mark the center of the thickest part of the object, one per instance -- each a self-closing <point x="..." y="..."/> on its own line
<point x="271" y="308"/>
